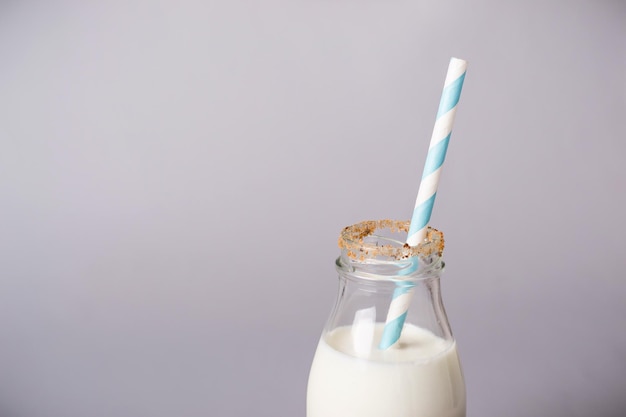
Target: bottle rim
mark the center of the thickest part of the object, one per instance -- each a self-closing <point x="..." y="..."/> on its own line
<point x="356" y="239"/>
<point x="373" y="249"/>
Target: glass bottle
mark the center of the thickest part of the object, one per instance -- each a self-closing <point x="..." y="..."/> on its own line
<point x="419" y="375"/>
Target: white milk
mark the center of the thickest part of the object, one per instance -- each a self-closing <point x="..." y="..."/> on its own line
<point x="351" y="377"/>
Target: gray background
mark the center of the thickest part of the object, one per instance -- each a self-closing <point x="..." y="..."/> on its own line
<point x="174" y="175"/>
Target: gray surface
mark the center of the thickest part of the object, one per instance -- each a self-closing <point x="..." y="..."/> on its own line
<point x="173" y="177"/>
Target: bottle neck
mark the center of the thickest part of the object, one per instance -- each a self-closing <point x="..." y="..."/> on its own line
<point x="366" y="291"/>
<point x="387" y="286"/>
<point x="407" y="270"/>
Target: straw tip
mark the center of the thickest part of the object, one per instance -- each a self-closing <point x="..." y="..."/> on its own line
<point x="458" y="63"/>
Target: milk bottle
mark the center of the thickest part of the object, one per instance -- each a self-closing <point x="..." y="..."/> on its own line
<point x="420" y="375"/>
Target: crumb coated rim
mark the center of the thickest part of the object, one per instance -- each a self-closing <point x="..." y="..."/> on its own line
<point x="352" y="239"/>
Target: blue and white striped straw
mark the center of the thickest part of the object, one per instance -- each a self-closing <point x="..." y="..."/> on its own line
<point x="426" y="195"/>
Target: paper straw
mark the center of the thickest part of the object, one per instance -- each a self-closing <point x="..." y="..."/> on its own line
<point x="426" y="195"/>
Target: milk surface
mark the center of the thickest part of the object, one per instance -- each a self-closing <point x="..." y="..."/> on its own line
<point x="351" y="377"/>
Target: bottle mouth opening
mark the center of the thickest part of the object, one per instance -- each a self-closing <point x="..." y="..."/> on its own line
<point x="380" y="239"/>
<point x="376" y="248"/>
